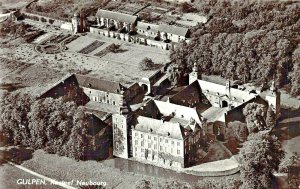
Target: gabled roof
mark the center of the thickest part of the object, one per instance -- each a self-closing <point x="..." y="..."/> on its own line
<point x="217" y="89"/>
<point x="116" y="16"/>
<point x="189" y="94"/>
<point x="98" y="84"/>
<point x="213" y="114"/>
<point x="181" y="31"/>
<point x="159" y="127"/>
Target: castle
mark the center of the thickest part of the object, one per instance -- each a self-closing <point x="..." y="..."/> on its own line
<point x="170" y="132"/>
<point x="167" y="130"/>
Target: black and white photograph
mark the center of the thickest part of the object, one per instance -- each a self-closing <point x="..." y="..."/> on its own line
<point x="149" y="94"/>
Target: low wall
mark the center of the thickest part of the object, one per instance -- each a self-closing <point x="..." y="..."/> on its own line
<point x="132" y="38"/>
<point x="214" y="173"/>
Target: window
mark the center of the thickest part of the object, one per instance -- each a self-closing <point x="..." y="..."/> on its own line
<point x="172" y="142"/>
<point x="160" y="148"/>
<point x="114" y="103"/>
<point x="136" y="142"/>
<point x="149" y="145"/>
<point x="178" y="143"/>
<point x="171" y="150"/>
<point x="160" y="139"/>
<point x="166" y="141"/>
<point x="136" y="134"/>
<point x="155" y="138"/>
<point x="155" y="146"/>
<point x="178" y="152"/>
<point x="142" y="150"/>
<point x="142" y="143"/>
<point x="149" y="137"/>
<point x="135" y="149"/>
<point x="141" y="135"/>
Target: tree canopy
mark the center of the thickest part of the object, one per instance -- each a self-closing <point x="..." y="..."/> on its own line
<point x="260" y="156"/>
<point x="251" y="41"/>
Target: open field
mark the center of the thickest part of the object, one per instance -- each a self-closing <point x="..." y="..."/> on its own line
<point x="9" y="176"/>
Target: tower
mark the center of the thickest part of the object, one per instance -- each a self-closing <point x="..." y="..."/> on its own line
<point x="121" y="129"/>
<point x="227" y="85"/>
<point x="273" y="98"/>
<point x="194" y="75"/>
<point x="75" y="23"/>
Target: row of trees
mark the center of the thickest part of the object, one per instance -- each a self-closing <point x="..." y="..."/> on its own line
<point x="55" y="125"/>
<point x="249" y="41"/>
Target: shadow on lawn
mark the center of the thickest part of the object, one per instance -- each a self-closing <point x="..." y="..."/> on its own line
<point x="287" y="113"/>
<point x="289" y="124"/>
<point x="15" y="154"/>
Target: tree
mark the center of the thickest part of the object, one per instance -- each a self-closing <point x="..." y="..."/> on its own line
<point x="13" y="117"/>
<point x="291" y="166"/>
<point x="227" y="183"/>
<point x="271" y="118"/>
<point x="143" y="184"/>
<point x="294" y="75"/>
<point x="50" y="123"/>
<point x="77" y="145"/>
<point x="186" y="7"/>
<point x="244" y="40"/>
<point x="237" y="130"/>
<point x="255" y="117"/>
<point x="260" y="156"/>
<point x="147" y="64"/>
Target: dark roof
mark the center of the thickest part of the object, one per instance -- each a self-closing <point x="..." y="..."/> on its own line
<point x="187" y="95"/>
<point x="17" y="14"/>
<point x="181" y="31"/>
<point x="116" y="16"/>
<point x="98" y="84"/>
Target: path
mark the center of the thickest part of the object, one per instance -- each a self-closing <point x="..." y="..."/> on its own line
<point x="63" y="185"/>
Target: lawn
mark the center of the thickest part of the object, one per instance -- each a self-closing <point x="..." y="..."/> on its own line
<point x="63" y="168"/>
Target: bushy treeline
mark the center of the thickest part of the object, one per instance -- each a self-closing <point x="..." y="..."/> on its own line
<point x="251" y="41"/>
<point x="210" y="183"/>
<point x="55" y="125"/>
<point x="65" y="9"/>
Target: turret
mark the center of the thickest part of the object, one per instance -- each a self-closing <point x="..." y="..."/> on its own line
<point x="121" y="129"/>
<point x="228" y="86"/>
<point x="273" y="98"/>
<point x="194" y="75"/>
<point x="75" y="23"/>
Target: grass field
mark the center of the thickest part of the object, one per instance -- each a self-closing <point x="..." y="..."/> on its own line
<point x="62" y="168"/>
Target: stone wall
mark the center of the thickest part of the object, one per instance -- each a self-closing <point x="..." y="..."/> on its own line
<point x="44" y="19"/>
<point x="102" y="96"/>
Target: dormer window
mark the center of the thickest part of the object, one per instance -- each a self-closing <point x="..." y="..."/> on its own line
<point x="90" y="85"/>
